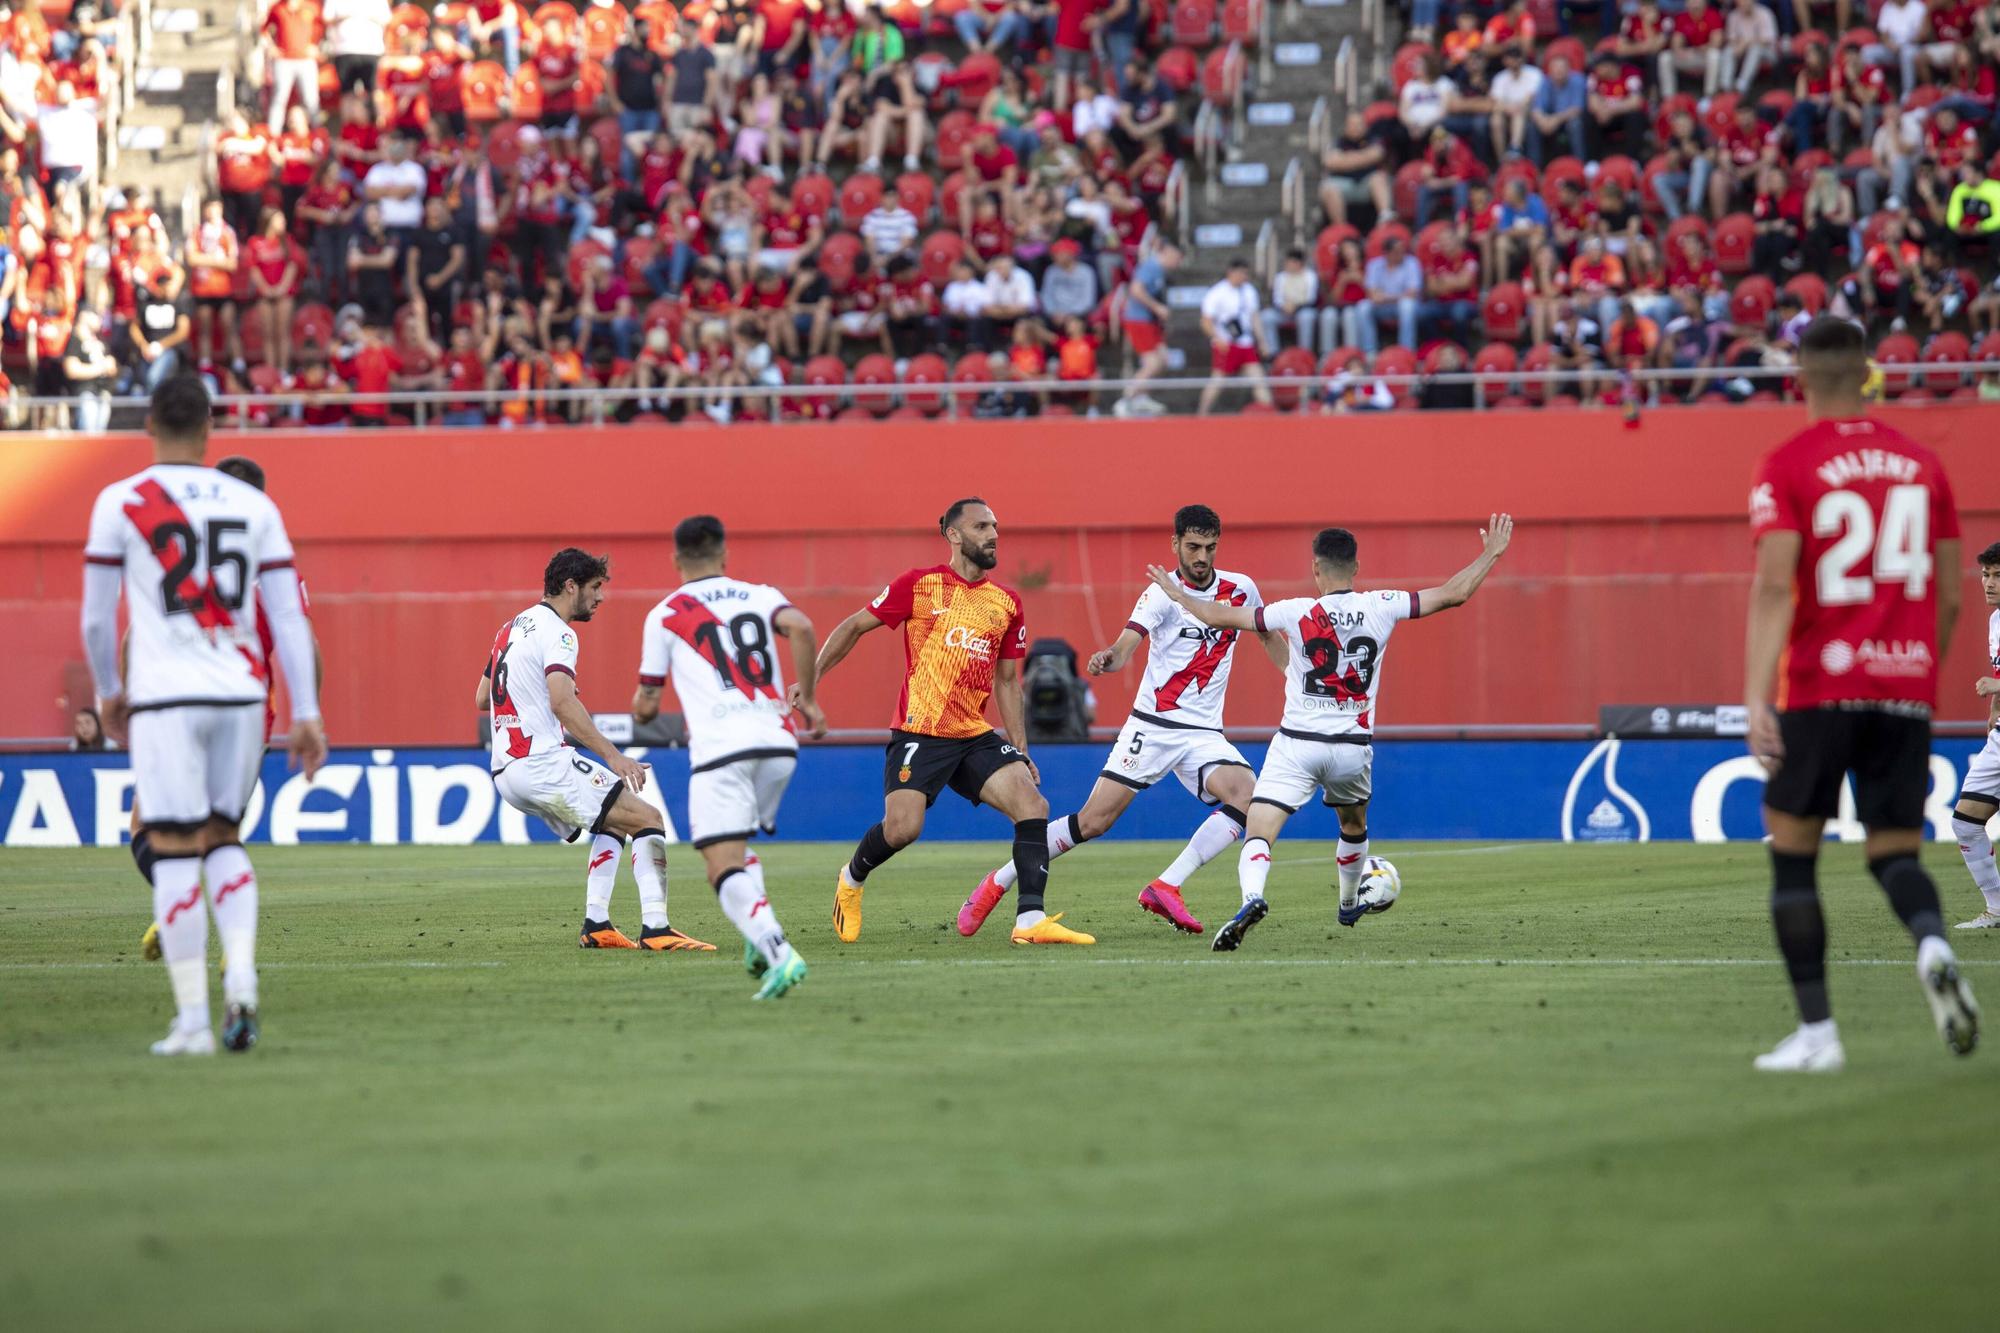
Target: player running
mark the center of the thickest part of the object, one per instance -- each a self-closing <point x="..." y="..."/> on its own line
<point x="189" y="547"/>
<point x="1175" y="727"/>
<point x="530" y="688"/>
<point x="717" y="637"/>
<point x="963" y="640"/>
<point x="249" y="473"/>
<point x="1334" y="643"/>
<point x="1980" y="796"/>
<point x="1851" y="609"/>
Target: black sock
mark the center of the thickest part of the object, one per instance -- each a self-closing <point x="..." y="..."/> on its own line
<point x="1031" y="863"/>
<point x="872" y="851"/>
<point x="1073" y="828"/>
<point x="1801" y="928"/>
<point x="143" y="853"/>
<point x="1913" y="895"/>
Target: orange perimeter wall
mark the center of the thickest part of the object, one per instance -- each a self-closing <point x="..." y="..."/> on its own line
<point x="1626" y="582"/>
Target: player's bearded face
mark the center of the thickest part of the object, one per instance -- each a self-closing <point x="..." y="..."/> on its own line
<point x="982" y="548"/>
<point x="1197" y="561"/>
<point x="588" y="599"/>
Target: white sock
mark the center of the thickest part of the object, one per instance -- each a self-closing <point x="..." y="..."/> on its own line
<point x="1977" y="849"/>
<point x="1824" y="1030"/>
<point x="1211" y="840"/>
<point x="232" y="896"/>
<point x="649" y="867"/>
<point x="1351" y="859"/>
<point x="1932" y="949"/>
<point x="1025" y="920"/>
<point x="177" y="906"/>
<point x="1253" y="867"/>
<point x="1062" y="837"/>
<point x="741" y="895"/>
<point x="600" y="876"/>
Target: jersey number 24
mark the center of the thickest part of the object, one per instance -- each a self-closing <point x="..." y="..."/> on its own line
<point x="1899" y="552"/>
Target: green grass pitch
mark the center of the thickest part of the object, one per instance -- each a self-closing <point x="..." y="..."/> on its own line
<point x="1521" y="1100"/>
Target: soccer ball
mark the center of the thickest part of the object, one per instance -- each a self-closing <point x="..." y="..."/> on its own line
<point x="1380" y="884"/>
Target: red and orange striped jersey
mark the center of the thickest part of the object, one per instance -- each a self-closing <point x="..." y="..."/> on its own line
<point x="954" y="634"/>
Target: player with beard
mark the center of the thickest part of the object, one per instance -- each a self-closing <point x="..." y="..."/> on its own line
<point x="1175" y="727"/>
<point x="964" y="637"/>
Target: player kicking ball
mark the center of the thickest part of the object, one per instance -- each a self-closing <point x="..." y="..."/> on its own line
<point x="963" y="640"/>
<point x="717" y="637"/>
<point x="1851" y="609"/>
<point x="529" y="690"/>
<point x="1980" y="796"/>
<point x="1175" y="727"/>
<point x="200" y="557"/>
<point x="1334" y="644"/>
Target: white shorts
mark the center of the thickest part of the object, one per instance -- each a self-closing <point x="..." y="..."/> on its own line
<point x="1294" y="768"/>
<point x="737" y="800"/>
<point x="1145" y="752"/>
<point x="194" y="762"/>
<point x="567" y="789"/>
<point x="1982" y="775"/>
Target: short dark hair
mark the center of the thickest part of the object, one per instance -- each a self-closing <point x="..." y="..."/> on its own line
<point x="1833" y="357"/>
<point x="699" y="537"/>
<point x="571" y="563"/>
<point x="1829" y="335"/>
<point x="957" y="510"/>
<point x="243" y="469"/>
<point x="1990" y="556"/>
<point x="1238" y="261"/>
<point x="1196" y="518"/>
<point x="179" y="409"/>
<point x="1335" y="546"/>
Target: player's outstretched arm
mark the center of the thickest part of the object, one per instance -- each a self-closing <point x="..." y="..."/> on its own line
<point x="575" y="719"/>
<point x="1114" y="658"/>
<point x="1458" y="589"/>
<point x="1764" y="641"/>
<point x="482" y="697"/>
<point x="845" y="635"/>
<point x="1275" y="649"/>
<point x="101" y="586"/>
<point x="803" y="694"/>
<point x="1215" y="615"/>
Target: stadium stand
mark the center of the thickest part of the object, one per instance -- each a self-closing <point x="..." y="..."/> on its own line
<point x="695" y="202"/>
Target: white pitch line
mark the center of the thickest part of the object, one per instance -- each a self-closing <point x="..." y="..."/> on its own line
<point x="1394" y="962"/>
<point x="1434" y="851"/>
<point x="356" y="966"/>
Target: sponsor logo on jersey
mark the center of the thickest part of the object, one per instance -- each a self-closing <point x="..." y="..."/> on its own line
<point x="1203" y="634"/>
<point x="960" y="636"/>
<point x="880" y="597"/>
<point x="1763" y="504"/>
<point x="1895" y="657"/>
<point x="1837" y="658"/>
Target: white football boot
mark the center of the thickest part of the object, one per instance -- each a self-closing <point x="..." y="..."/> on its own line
<point x="1950" y="996"/>
<point x="183" y="1041"/>
<point x="1813" y="1048"/>
<point x="1986" y="920"/>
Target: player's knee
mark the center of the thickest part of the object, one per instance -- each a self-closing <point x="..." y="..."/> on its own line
<point x="1089" y="823"/>
<point x="1974" y="810"/>
<point x="900" y="830"/>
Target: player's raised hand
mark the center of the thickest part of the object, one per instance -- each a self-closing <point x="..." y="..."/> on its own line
<point x="1165" y="581"/>
<point x="1499" y="530"/>
<point x="1765" y="742"/>
<point x="629" y="769"/>
<point x="1100" y="662"/>
<point x="307" y="746"/>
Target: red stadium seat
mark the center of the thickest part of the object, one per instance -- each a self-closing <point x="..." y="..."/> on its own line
<point x="263" y="379"/>
<point x="1178" y="68"/>
<point x="917" y="192"/>
<point x="759" y="188"/>
<point x="312" y="324"/>
<point x="1721" y="114"/>
<point x="1326" y="250"/>
<point x="1683" y="225"/>
<point x="823" y="372"/>
<point x="1989" y="347"/>
<point x="1860" y="159"/>
<point x="1496" y="359"/>
<point x="1776" y="102"/>
<point x="1407" y="64"/>
<point x="1735" y="236"/>
<point x="1806" y="163"/>
<point x="839" y="257"/>
<point x="971" y="369"/>
<point x="925" y="370"/>
<point x="405" y="19"/>
<point x="1619" y="168"/>
<point x="580" y="257"/>
<point x="941" y="249"/>
<point x="1221" y="75"/>
<point x="1396" y="360"/>
<point x="1426" y="244"/>
<point x="1752" y="300"/>
<point x="1898" y="349"/>
<point x="481" y="85"/>
<point x="812" y="195"/>
<point x="1242" y="21"/>
<point x="1383" y="231"/>
<point x="954" y="134"/>
<point x="1649" y="188"/>
<point x="1406" y="188"/>
<point x="1560" y="170"/>
<point x="1336" y="361"/>
<point x="1540" y="357"/>
<point x="1810" y="288"/>
<point x="977" y="75"/>
<point x="1516" y="166"/>
<point x="524" y="96"/>
<point x="1922" y="96"/>
<point x="665" y="312"/>
<point x="948" y="193"/>
<point x="1504" y="311"/>
<point x="878" y="373"/>
<point x="1292" y="362"/>
<point x="1570" y="47"/>
<point x="1680" y="102"/>
<point x="503" y="144"/>
<point x="858" y="196"/>
<point x="1193" y="22"/>
<point x="1946" y="347"/>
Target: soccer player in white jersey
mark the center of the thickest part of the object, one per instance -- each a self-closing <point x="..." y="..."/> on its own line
<point x="1175" y="726"/>
<point x="529" y="689"/>
<point x="199" y="557"/>
<point x="1980" y="796"/>
<point x="717" y="637"/>
<point x="1325" y="742"/>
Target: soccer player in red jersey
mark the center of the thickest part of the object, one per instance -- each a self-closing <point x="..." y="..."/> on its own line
<point x="963" y="640"/>
<point x="1853" y="604"/>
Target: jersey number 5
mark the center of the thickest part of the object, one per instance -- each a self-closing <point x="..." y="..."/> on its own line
<point x="1901" y="550"/>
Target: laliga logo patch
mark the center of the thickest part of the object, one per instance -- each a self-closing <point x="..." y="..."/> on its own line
<point x="1837" y="658"/>
<point x="880" y="597"/>
<point x="1763" y="504"/>
<point x="568" y="640"/>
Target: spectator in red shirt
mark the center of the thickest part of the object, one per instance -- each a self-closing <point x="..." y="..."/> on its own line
<point x="560" y="71"/>
<point x="323" y="215"/>
<point x="245" y="159"/>
<point x="1071" y="49"/>
<point x="994" y="171"/>
<point x="1889" y="270"/>
<point x="1777" y="210"/>
<point x="1812" y="98"/>
<point x="293" y="31"/>
<point x="301" y="149"/>
<point x="1451" y="287"/>
<point x="1617" y="110"/>
<point x="375" y="368"/>
<point x="1694" y="46"/>
<point x="604" y="309"/>
<point x="211" y="262"/>
<point x="275" y="275"/>
<point x="911" y="305"/>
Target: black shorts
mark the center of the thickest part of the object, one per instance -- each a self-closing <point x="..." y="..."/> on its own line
<point x="214" y="303"/>
<point x="929" y="764"/>
<point x="1889" y="755"/>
